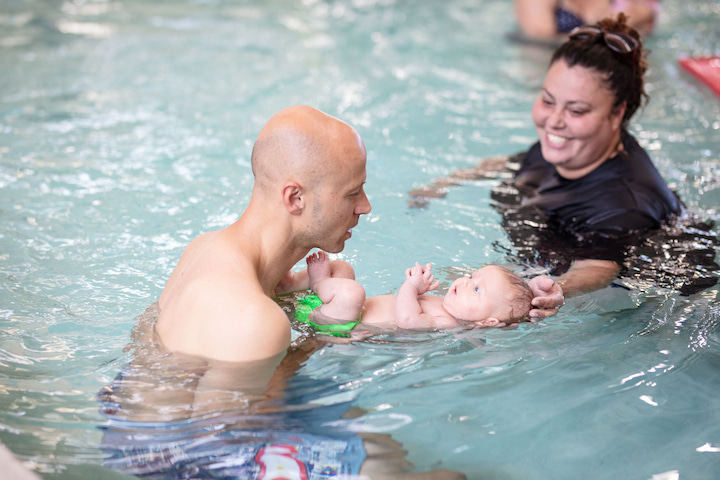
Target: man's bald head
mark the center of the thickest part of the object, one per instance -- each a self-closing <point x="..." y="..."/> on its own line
<point x="303" y="144"/>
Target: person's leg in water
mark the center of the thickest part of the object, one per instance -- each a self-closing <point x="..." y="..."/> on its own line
<point x="342" y="298"/>
<point x="386" y="460"/>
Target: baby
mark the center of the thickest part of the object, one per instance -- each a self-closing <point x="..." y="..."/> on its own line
<point x="491" y="297"/>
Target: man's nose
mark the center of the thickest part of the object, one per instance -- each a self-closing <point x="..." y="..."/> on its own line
<point x="364" y="206"/>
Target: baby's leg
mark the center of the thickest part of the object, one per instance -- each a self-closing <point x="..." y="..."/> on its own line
<point x="342" y="298"/>
<point x="318" y="268"/>
<point x="293" y="281"/>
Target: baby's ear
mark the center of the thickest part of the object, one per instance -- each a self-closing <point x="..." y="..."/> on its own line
<point x="490" y="322"/>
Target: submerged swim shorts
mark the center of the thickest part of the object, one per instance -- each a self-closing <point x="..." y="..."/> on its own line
<point x="302" y="314"/>
<point x="236" y="454"/>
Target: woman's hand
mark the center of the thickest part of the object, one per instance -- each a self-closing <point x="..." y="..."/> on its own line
<point x="547" y="297"/>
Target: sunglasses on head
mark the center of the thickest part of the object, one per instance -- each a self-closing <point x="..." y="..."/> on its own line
<point x="617" y="42"/>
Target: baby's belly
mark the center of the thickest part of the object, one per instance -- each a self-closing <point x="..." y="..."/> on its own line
<point x="380" y="311"/>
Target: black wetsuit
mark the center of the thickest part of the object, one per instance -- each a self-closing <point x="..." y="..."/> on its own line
<point x="624" y="194"/>
<point x="565" y="20"/>
<point x="604" y="215"/>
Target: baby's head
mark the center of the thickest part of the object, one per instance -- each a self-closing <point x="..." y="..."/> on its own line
<point x="492" y="296"/>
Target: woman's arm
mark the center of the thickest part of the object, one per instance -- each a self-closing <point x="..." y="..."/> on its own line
<point x="587" y="275"/>
<point x="547" y="297"/>
<point x="490" y="167"/>
<point x="584" y="276"/>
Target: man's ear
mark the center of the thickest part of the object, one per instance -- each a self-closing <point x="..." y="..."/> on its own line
<point x="293" y="198"/>
<point x="490" y="322"/>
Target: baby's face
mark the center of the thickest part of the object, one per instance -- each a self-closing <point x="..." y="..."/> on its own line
<point x="487" y="293"/>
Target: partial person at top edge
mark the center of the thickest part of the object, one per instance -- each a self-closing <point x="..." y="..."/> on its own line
<point x="586" y="193"/>
<point x="550" y="21"/>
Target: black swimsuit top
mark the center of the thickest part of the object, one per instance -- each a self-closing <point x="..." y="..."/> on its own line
<point x="622" y="211"/>
<point x="565" y="20"/>
<point x="623" y="195"/>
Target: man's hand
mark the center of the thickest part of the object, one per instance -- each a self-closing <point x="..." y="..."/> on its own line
<point x="421" y="278"/>
<point x="547" y="297"/>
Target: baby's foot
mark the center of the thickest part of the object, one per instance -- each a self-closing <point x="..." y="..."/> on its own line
<point x="318" y="267"/>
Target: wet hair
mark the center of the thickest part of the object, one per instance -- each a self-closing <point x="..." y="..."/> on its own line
<point x="622" y="72"/>
<point x="521" y="298"/>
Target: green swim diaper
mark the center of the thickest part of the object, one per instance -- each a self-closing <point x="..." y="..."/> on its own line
<point x="302" y="314"/>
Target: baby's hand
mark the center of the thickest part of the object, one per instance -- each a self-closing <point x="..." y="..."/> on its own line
<point x="421" y="278"/>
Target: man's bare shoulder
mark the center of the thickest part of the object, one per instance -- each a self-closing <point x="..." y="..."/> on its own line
<point x="224" y="318"/>
<point x="246" y="319"/>
<point x="196" y="245"/>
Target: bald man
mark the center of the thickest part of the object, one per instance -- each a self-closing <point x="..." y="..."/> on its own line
<point x="216" y="315"/>
<point x="309" y="172"/>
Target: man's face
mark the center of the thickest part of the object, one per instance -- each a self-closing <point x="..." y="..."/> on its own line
<point x="340" y="200"/>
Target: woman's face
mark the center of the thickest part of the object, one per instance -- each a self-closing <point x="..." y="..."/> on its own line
<point x="575" y="122"/>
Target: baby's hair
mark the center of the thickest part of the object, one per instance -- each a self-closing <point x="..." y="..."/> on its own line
<point x="522" y="296"/>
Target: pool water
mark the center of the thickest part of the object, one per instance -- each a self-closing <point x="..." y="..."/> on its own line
<point x="126" y="129"/>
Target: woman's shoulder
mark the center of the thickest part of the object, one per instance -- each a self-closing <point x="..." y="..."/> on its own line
<point x="633" y="164"/>
<point x="640" y="171"/>
<point x="632" y="148"/>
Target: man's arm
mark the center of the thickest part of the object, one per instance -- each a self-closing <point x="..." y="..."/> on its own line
<point x="587" y="275"/>
<point x="225" y="385"/>
<point x="222" y="319"/>
<point x="642" y="16"/>
<point x="247" y="328"/>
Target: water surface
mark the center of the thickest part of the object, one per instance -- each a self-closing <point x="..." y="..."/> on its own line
<point x="126" y="129"/>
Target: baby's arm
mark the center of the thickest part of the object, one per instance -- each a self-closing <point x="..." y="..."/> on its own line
<point x="408" y="311"/>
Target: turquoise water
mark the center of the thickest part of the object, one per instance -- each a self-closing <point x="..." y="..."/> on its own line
<point x="126" y="130"/>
